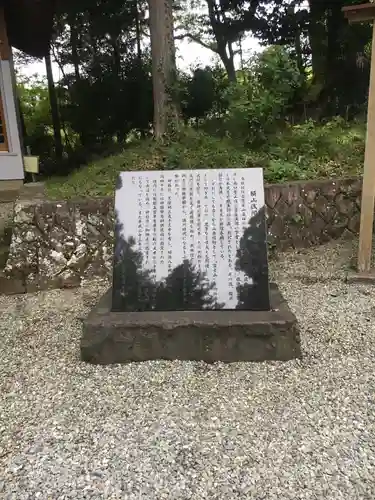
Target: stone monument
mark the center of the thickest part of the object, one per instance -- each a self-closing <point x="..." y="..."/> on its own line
<point x="190" y="276"/>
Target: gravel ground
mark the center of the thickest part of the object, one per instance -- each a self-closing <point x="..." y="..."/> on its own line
<point x="179" y="430"/>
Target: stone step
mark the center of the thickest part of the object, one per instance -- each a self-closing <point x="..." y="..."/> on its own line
<point x="5" y="236"/>
<point x="6" y="220"/>
<point x="4" y="252"/>
<point x="10" y="286"/>
<point x="8" y="195"/>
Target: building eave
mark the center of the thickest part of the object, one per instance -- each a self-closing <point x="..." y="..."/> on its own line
<point x="29" y="24"/>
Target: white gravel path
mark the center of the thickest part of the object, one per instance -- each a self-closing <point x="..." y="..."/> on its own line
<point x="178" y="430"/>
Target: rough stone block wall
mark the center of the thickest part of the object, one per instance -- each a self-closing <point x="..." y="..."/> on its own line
<point x="57" y="244"/>
<point x="301" y="214"/>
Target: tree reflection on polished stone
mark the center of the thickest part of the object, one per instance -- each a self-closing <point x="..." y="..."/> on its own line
<point x="134" y="288"/>
<point x="252" y="260"/>
<point x="185" y="289"/>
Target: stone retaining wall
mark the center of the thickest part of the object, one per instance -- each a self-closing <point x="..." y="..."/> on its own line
<point x="57" y="244"/>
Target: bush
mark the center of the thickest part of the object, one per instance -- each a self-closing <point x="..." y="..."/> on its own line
<point x="307" y="151"/>
<point x="190" y="149"/>
<point x="261" y="97"/>
<point x="311" y="150"/>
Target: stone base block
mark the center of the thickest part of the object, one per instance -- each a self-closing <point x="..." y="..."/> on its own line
<point x="9" y="286"/>
<point x="365" y="278"/>
<point x="228" y="336"/>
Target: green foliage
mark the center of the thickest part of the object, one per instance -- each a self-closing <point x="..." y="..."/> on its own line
<point x="307" y="151"/>
<point x="188" y="150"/>
<point x="279" y="112"/>
<point x="35" y="108"/>
<point x="198" y="95"/>
<point x="203" y="94"/>
<point x="261" y="98"/>
<point x="109" y="105"/>
<point x="312" y="151"/>
<point x="33" y="94"/>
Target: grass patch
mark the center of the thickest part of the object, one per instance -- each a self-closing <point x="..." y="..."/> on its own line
<point x="311" y="151"/>
<point x="300" y="152"/>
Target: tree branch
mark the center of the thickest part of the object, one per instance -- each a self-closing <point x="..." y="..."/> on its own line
<point x="196" y="39"/>
<point x="57" y="60"/>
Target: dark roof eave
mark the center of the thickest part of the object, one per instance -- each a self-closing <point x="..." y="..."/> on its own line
<point x="30" y="25"/>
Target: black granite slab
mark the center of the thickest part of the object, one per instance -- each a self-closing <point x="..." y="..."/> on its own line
<point x="190" y="240"/>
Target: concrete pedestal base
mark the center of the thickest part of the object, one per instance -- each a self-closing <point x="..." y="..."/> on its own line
<point x="120" y="337"/>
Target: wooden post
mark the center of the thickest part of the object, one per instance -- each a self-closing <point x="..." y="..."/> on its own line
<point x="368" y="186"/>
<point x="366" y="13"/>
<point x="5" y="49"/>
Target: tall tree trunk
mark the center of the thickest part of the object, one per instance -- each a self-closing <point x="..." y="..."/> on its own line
<point x="116" y="55"/>
<point x="22" y="125"/>
<point x="225" y="51"/>
<point x="298" y="49"/>
<point x="72" y="21"/>
<point x="54" y="108"/>
<point x="120" y="132"/>
<point x="291" y="11"/>
<point x="228" y="61"/>
<point x="242" y="65"/>
<point x="74" y="43"/>
<point x="334" y="83"/>
<point x="318" y="42"/>
<point x="166" y="117"/>
<point x="137" y="29"/>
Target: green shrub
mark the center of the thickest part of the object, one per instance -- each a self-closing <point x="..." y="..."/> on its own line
<point x="307" y="151"/>
<point x="334" y="149"/>
<point x="259" y="100"/>
<point x="190" y="149"/>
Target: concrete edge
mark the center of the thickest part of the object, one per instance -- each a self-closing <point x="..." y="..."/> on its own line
<point x="364" y="278"/>
<point x="280" y="314"/>
<point x="11" y="286"/>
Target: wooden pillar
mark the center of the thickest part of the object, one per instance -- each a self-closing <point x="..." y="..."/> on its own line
<point x="366" y="13"/>
<point x="5" y="52"/>
<point x="4" y="43"/>
<point x="368" y="187"/>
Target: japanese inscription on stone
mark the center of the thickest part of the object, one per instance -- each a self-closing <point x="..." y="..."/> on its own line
<point x="200" y="220"/>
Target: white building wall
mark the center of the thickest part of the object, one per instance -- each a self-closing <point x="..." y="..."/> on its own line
<point x="11" y="163"/>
